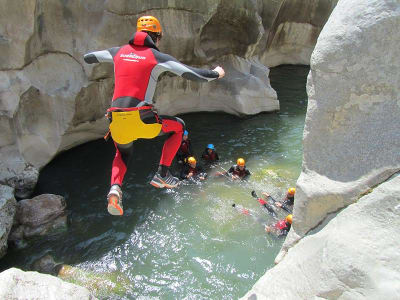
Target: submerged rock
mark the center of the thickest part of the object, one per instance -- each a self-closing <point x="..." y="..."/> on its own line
<point x="41" y="215"/>
<point x="18" y="285"/>
<point x="7" y="212"/>
<point x="101" y="284"/>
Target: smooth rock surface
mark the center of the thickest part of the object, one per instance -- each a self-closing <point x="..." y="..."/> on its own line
<point x="351" y="147"/>
<point x="351" y="137"/>
<point x="356" y="256"/>
<point x="18" y="285"/>
<point x="7" y="212"/>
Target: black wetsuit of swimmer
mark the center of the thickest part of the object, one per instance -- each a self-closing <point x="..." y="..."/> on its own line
<point x="210" y="157"/>
<point x="184" y="151"/>
<point x="242" y="174"/>
<point x="197" y="171"/>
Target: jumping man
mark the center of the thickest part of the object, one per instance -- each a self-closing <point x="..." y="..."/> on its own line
<point x="137" y="67"/>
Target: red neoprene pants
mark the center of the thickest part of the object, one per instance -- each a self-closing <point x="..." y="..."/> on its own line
<point x="170" y="125"/>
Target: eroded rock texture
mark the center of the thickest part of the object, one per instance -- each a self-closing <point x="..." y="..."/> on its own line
<point x="7" y="212"/>
<point x="351" y="149"/>
<point x="52" y="101"/>
<point x="18" y="285"/>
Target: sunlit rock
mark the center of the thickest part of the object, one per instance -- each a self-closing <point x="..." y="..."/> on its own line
<point x="247" y="92"/>
<point x="19" y="285"/>
<point x="344" y="260"/>
<point x="351" y="147"/>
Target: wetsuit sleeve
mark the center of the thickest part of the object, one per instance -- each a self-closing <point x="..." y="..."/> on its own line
<point x="168" y="63"/>
<point x="231" y="169"/>
<point x="216" y="156"/>
<point x="246" y="174"/>
<point x="184" y="172"/>
<point x="101" y="56"/>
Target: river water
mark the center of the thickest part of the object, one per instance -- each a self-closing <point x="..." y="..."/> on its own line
<point x="188" y="243"/>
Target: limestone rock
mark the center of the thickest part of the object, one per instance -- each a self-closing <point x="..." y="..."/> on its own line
<point x="249" y="91"/>
<point x="18" y="285"/>
<point x="41" y="215"/>
<point x="351" y="136"/>
<point x="17" y="173"/>
<point x="46" y="265"/>
<point x="7" y="212"/>
<point x="50" y="100"/>
<point x="355" y="256"/>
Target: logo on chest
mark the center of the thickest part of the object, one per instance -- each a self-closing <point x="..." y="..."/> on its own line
<point x="132" y="57"/>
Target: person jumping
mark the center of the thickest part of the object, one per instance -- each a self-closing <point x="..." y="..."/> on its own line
<point x="137" y="67"/>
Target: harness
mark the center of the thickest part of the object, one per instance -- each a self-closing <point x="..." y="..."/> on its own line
<point x="127" y="126"/>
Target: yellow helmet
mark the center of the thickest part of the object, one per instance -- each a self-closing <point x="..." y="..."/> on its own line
<point x="289" y="218"/>
<point x="191" y="160"/>
<point x="149" y="23"/>
<point x="291" y="191"/>
<point x="240" y="162"/>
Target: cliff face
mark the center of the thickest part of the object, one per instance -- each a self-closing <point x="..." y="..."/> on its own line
<point x="52" y="101"/>
<point x="351" y="151"/>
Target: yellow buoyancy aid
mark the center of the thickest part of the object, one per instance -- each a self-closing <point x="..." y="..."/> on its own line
<point x="126" y="127"/>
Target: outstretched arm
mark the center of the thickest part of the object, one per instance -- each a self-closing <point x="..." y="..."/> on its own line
<point x="101" y="56"/>
<point x="168" y="63"/>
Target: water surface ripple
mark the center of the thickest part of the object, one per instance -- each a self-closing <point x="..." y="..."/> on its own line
<point x="188" y="243"/>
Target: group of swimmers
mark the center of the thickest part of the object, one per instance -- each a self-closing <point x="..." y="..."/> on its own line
<point x="191" y="170"/>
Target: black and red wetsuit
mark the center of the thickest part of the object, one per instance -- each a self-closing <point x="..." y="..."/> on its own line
<point x="282" y="227"/>
<point x="235" y="170"/>
<point x="137" y="67"/>
<point x="196" y="171"/>
<point x="185" y="150"/>
<point x="210" y="157"/>
<point x="288" y="201"/>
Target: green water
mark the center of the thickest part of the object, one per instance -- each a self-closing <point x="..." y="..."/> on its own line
<point x="187" y="243"/>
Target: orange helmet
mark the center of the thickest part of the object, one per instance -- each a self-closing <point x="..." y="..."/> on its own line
<point x="289" y="219"/>
<point x="191" y="160"/>
<point x="240" y="162"/>
<point x="149" y="23"/>
<point x="291" y="191"/>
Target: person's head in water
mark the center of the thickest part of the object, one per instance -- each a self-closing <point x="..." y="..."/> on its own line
<point x="151" y="26"/>
<point x="192" y="162"/>
<point x="291" y="192"/>
<point x="241" y="163"/>
<point x="210" y="148"/>
<point x="185" y="135"/>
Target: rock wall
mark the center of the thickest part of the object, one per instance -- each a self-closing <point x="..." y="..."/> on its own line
<point x="351" y="146"/>
<point x="356" y="256"/>
<point x="18" y="285"/>
<point x="50" y="100"/>
<point x="7" y="212"/>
